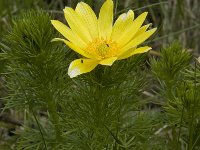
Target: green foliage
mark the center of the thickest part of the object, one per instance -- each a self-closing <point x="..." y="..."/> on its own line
<point x="32" y="60"/>
<point x="100" y="104"/>
<point x="36" y="68"/>
<point x="172" y="61"/>
<point x="168" y="69"/>
<point x="182" y="103"/>
<point x="183" y="110"/>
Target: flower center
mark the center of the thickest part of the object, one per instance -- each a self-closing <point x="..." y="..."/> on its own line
<point x="101" y="48"/>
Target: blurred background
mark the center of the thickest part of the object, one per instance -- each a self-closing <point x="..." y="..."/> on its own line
<point x="176" y="20"/>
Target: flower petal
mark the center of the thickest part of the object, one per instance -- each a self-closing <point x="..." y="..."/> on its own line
<point x="121" y="24"/>
<point x="89" y="18"/>
<point x="74" y="47"/>
<point x="136" y="41"/>
<point x="105" y="19"/>
<point x="142" y="30"/>
<point x="108" y="61"/>
<point x="131" y="30"/>
<point x="80" y="66"/>
<point x="67" y="33"/>
<point x="77" y="25"/>
<point x="134" y="51"/>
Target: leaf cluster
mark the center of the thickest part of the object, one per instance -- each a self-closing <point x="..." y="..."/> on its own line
<point x="179" y="89"/>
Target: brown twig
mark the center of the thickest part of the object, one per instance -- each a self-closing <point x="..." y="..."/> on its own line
<point x="7" y="119"/>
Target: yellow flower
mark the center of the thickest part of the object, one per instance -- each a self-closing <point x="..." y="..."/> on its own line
<point x="97" y="39"/>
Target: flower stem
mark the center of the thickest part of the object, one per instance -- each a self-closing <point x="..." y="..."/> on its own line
<point x="55" y="119"/>
<point x="38" y="124"/>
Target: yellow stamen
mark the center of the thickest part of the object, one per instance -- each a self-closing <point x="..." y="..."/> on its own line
<point x="102" y="48"/>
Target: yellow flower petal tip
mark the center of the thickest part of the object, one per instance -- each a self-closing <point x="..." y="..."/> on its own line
<point x="80" y="66"/>
<point x="98" y="39"/>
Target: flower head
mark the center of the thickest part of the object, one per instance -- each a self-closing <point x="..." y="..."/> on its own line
<point x="98" y="40"/>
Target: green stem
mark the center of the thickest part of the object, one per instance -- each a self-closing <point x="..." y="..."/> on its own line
<point x="45" y="145"/>
<point x="190" y="144"/>
<point x="55" y="119"/>
<point x="98" y="103"/>
<point x="116" y="5"/>
<point x="31" y="109"/>
<point x="180" y="128"/>
<point x="192" y="111"/>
